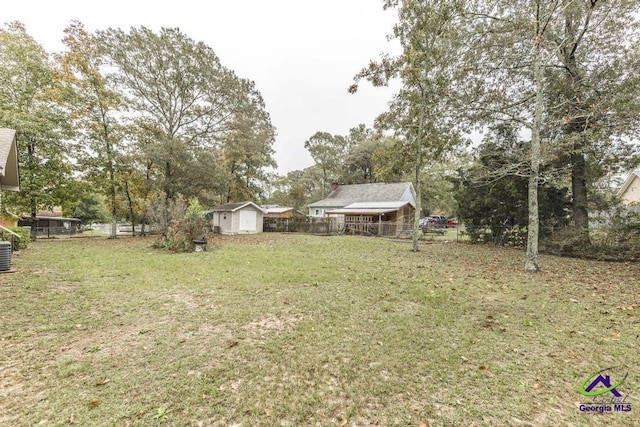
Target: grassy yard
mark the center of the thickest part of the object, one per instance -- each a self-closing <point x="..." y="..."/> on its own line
<point x="299" y="330"/>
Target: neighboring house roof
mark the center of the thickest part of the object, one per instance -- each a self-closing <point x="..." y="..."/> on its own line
<point x="375" y="208"/>
<point x="627" y="183"/>
<point x="279" y="209"/>
<point x="9" y="177"/>
<point x="57" y="218"/>
<point x="376" y="192"/>
<point x="232" y="207"/>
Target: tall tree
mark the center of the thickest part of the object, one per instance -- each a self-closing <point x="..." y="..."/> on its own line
<point x="560" y="69"/>
<point x="491" y="200"/>
<point x="96" y="111"/>
<point x="203" y="124"/>
<point x="180" y="93"/>
<point x="29" y="98"/>
<point x="360" y="162"/>
<point x="246" y="149"/>
<point x="328" y="152"/>
<point x="505" y="68"/>
<point x="420" y="114"/>
<point x="596" y="46"/>
<point x="359" y="165"/>
<point x="90" y="209"/>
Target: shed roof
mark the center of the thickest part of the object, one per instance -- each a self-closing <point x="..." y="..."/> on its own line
<point x="9" y="176"/>
<point x="232" y="207"/>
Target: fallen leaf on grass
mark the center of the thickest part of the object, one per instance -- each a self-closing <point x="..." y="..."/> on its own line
<point x="538" y="386"/>
<point x="99" y="383"/>
<point x="233" y="344"/>
<point x="482" y="367"/>
<point x="344" y="422"/>
<point x="93" y="403"/>
<point x="423" y="424"/>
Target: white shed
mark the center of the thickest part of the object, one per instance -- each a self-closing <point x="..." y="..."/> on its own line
<point x="237" y="218"/>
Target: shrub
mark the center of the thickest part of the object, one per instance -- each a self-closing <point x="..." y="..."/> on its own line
<point x="182" y="232"/>
<point x="163" y="213"/>
<point x="619" y="240"/>
<point x="18" y="243"/>
<point x="516" y="237"/>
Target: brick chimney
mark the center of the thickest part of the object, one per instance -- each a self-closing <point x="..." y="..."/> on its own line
<point x="334" y="186"/>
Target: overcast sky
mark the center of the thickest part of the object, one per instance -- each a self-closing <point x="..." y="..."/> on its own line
<point x="302" y="54"/>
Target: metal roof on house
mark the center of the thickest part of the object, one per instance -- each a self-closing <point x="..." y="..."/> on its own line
<point x="59" y="218"/>
<point x="376" y="208"/>
<point x="374" y="192"/>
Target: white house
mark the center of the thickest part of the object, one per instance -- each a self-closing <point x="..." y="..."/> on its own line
<point x="373" y="194"/>
<point x="9" y="177"/>
<point x="629" y="193"/>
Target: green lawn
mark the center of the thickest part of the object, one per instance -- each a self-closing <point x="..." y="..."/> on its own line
<point x="300" y="330"/>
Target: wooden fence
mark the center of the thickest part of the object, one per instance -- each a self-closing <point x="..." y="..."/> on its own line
<point x="301" y="225"/>
<point x="331" y="225"/>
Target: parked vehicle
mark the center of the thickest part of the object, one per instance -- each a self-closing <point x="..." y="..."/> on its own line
<point x="437" y="221"/>
<point x="452" y="223"/>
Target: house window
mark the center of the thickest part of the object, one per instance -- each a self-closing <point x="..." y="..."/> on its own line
<point x="317" y="212"/>
<point x="224" y="216"/>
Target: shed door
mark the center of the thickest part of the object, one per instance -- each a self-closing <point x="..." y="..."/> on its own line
<point x="248" y="220"/>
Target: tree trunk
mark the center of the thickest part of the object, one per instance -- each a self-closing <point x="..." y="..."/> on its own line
<point x="167" y="198"/>
<point x="112" y="190"/>
<point x="114" y="225"/>
<point x="577" y="125"/>
<point x="419" y="140"/>
<point x="531" y="263"/>
<point x="114" y="215"/>
<point x="130" y="203"/>
<point x="579" y="193"/>
<point x="416" y="219"/>
<point x="231" y="175"/>
<point x="32" y="201"/>
<point x="34" y="222"/>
